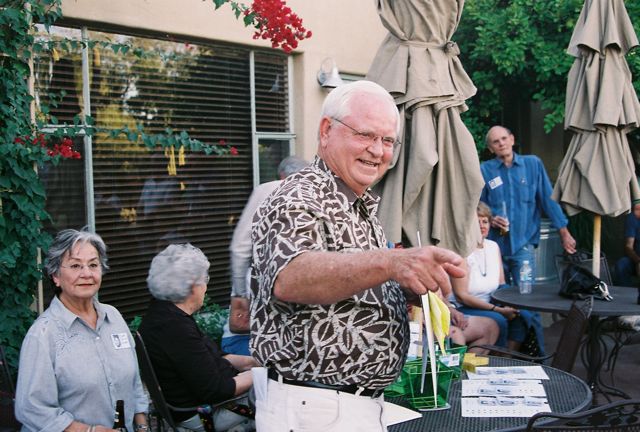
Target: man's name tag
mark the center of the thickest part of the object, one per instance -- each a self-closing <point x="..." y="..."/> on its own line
<point x="120" y="341"/>
<point x="495" y="182"/>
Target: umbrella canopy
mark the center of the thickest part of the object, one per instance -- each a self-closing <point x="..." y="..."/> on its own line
<point x="434" y="183"/>
<point x="597" y="173"/>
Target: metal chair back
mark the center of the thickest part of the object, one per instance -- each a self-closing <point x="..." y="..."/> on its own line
<point x="571" y="337"/>
<point x="162" y="409"/>
<point x="620" y="416"/>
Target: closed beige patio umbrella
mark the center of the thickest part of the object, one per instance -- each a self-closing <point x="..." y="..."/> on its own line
<point x="434" y="183"/>
<point x="597" y="173"/>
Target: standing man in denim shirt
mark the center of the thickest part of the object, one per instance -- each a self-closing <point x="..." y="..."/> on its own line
<point x="517" y="189"/>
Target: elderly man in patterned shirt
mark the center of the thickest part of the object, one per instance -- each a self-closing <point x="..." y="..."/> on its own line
<point x="328" y="310"/>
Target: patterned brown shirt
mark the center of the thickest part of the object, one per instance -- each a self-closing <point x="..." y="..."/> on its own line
<point x="362" y="340"/>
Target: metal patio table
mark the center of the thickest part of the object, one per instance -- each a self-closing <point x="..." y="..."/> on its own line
<point x="545" y="298"/>
<point x="566" y="393"/>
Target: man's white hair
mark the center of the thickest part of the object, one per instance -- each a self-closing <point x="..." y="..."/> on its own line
<point x="337" y="104"/>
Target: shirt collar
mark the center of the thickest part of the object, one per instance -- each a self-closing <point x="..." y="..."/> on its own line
<point x="370" y="199"/>
<point x="68" y="317"/>
<point x="517" y="159"/>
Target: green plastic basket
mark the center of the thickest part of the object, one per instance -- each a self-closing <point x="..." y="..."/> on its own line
<point x="409" y="382"/>
<point x="425" y="400"/>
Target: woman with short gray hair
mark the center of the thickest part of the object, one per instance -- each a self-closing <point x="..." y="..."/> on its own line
<point x="76" y="347"/>
<point x="64" y="242"/>
<point x="191" y="368"/>
<point x="175" y="270"/>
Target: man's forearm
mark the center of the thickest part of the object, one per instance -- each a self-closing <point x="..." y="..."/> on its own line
<point x="241" y="362"/>
<point x="328" y="277"/>
<point x="240" y="263"/>
<point x="633" y="256"/>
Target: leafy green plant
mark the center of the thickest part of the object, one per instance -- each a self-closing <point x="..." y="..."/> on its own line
<point x="211" y="319"/>
<point x="134" y="324"/>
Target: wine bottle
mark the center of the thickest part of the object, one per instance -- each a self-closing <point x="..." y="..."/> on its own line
<point x="118" y="418"/>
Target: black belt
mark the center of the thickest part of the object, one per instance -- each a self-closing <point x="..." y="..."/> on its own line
<point x="347" y="388"/>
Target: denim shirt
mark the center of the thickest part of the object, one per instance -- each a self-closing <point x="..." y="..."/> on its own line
<point x="526" y="190"/>
<point x="69" y="371"/>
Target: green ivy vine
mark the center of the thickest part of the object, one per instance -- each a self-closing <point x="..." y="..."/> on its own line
<point x="22" y="196"/>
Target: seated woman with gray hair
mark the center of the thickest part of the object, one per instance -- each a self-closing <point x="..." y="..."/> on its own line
<point x="78" y="359"/>
<point x="191" y="368"/>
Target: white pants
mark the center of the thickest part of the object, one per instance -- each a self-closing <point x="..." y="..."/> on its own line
<point x="294" y="408"/>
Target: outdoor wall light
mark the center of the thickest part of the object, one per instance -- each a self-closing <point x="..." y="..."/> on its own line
<point x="328" y="76"/>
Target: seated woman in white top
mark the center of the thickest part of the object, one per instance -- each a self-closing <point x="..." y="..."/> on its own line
<point x="484" y="275"/>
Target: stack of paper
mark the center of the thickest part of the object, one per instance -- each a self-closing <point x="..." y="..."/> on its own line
<point x="504" y="392"/>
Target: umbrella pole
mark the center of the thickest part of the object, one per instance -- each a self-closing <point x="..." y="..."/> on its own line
<point x="597" y="225"/>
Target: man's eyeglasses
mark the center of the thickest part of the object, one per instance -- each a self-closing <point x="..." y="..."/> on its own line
<point x="77" y="268"/>
<point x="387" y="142"/>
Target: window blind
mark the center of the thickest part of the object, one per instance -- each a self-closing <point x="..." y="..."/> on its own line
<point x="141" y="204"/>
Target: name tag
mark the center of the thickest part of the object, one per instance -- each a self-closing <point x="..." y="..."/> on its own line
<point x="120" y="341"/>
<point x="495" y="182"/>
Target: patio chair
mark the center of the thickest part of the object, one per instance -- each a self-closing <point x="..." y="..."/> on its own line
<point x="161" y="408"/>
<point x="8" y="422"/>
<point x="616" y="417"/>
<point x="566" y="351"/>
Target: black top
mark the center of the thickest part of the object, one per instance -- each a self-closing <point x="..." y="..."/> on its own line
<point x="189" y="365"/>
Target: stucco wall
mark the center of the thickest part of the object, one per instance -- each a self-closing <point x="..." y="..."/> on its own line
<point x="347" y="30"/>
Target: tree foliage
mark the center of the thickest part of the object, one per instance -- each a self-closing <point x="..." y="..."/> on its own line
<point x="516" y="50"/>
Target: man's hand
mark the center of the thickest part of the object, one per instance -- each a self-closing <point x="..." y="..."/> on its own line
<point x="239" y="315"/>
<point x="500" y="223"/>
<point x="567" y="240"/>
<point x="426" y="269"/>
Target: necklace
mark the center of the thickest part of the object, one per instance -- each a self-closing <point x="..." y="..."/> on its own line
<point x="483" y="272"/>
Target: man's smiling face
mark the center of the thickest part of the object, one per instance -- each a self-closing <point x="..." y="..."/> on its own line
<point x="356" y="159"/>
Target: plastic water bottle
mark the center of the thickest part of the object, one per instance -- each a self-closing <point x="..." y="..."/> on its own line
<point x="526" y="277"/>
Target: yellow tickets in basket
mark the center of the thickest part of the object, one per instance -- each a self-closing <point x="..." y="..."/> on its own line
<point x="440" y="319"/>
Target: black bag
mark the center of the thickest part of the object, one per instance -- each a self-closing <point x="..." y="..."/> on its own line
<point x="584" y="259"/>
<point x="578" y="283"/>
